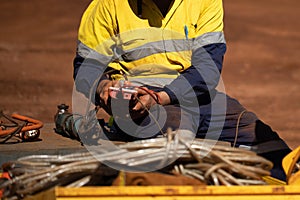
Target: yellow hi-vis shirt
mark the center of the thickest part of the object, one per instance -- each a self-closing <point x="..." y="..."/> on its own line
<point x="153" y="44"/>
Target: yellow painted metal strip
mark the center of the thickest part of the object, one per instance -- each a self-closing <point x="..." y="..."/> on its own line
<point x="282" y="197"/>
<point x="273" y="181"/>
<point x="180" y="192"/>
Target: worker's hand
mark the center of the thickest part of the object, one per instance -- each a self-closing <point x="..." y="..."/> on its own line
<point x="145" y="100"/>
<point x="103" y="92"/>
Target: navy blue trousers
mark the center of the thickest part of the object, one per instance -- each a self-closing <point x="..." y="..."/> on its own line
<point x="218" y="117"/>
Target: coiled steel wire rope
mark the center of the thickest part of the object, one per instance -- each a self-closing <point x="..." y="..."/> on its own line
<point x="219" y="165"/>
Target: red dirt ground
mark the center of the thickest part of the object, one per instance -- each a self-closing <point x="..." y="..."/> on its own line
<point x="261" y="69"/>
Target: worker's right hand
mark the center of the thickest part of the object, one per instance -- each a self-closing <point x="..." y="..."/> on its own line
<point x="103" y="92"/>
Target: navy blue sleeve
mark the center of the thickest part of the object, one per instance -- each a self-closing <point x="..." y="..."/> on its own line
<point x="87" y="74"/>
<point x="202" y="77"/>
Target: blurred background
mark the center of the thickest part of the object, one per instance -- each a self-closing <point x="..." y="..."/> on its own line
<point x="261" y="67"/>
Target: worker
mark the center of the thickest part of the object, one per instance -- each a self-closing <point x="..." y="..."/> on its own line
<point x="165" y="57"/>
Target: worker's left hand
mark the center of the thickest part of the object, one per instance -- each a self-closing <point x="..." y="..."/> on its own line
<point x="144" y="100"/>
